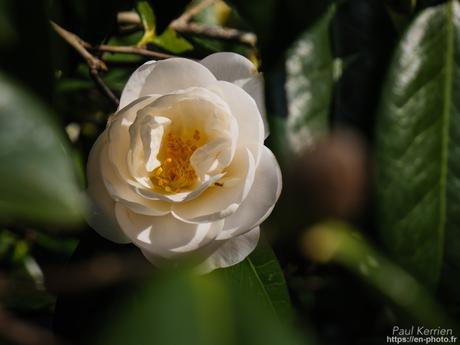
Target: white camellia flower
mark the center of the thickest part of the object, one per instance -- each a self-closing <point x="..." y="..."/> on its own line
<point x="181" y="169"/>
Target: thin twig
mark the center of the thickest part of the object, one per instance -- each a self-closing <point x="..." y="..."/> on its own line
<point x="129" y="50"/>
<point x="103" y="87"/>
<point x="191" y="12"/>
<point x="183" y="25"/>
<point x="216" y="32"/>
<point x="79" y="45"/>
<point x="94" y="64"/>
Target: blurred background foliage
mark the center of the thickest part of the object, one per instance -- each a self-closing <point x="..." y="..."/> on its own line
<point x="363" y="103"/>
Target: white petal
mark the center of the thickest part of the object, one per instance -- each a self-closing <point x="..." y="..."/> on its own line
<point x="220" y="201"/>
<point x="229" y="66"/>
<point x="121" y="191"/>
<point x="241" y="71"/>
<point x="136" y="81"/>
<point x="211" y="158"/>
<point x="119" y="138"/>
<point x="261" y="198"/>
<point x="244" y="109"/>
<point x="181" y="196"/>
<point x="175" y="74"/>
<point x="101" y="216"/>
<point x="165" y="236"/>
<point x="255" y="87"/>
<point x="231" y="252"/>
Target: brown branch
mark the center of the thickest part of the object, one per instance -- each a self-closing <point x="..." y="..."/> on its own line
<point x="183" y="25"/>
<point x="79" y="45"/>
<point x="216" y="32"/>
<point x="94" y="64"/>
<point x="191" y="12"/>
<point x="129" y="50"/>
<point x="16" y="331"/>
<point x="103" y="88"/>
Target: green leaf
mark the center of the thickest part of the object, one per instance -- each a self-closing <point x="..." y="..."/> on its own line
<point x="338" y="242"/>
<point x="37" y="181"/>
<point x="418" y="146"/>
<point x="148" y="22"/>
<point x="279" y="22"/>
<point x="309" y="83"/>
<point x="170" y="41"/>
<point x="186" y="309"/>
<point x="261" y="274"/>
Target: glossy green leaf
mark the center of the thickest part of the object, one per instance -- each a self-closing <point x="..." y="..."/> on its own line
<point x="261" y="274"/>
<point x="338" y="242"/>
<point x="418" y="146"/>
<point x="184" y="309"/>
<point x="37" y="181"/>
<point x="309" y="83"/>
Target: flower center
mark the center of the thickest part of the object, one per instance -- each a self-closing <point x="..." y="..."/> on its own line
<point x="175" y="172"/>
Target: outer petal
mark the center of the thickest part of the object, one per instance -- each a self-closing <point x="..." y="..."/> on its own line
<point x="165" y="236"/>
<point x="229" y="66"/>
<point x="135" y="83"/>
<point x="244" y="109"/>
<point x="261" y="198"/>
<point x="255" y="87"/>
<point x="231" y="252"/>
<point x="102" y="214"/>
<point x="241" y="71"/>
<point x="175" y="74"/>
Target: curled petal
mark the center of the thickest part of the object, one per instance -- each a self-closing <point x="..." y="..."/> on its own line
<point x="224" y="197"/>
<point x="165" y="236"/>
<point x="136" y="81"/>
<point x="261" y="198"/>
<point x="244" y="109"/>
<point x="229" y="66"/>
<point x="231" y="251"/>
<point x="102" y="216"/>
<point x="119" y="139"/>
<point x="121" y="192"/>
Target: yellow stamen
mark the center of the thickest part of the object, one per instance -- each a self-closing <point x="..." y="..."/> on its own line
<point x="175" y="172"/>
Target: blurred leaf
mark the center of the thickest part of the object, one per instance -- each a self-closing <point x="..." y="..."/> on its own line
<point x="363" y="40"/>
<point x="309" y="83"/>
<point x="37" y="182"/>
<point x="418" y="143"/>
<point x="339" y="243"/>
<point x="148" y="20"/>
<point x="279" y="22"/>
<point x="193" y="310"/>
<point x="261" y="274"/>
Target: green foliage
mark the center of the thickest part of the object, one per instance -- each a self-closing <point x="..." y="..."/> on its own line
<point x="309" y="84"/>
<point x="346" y="246"/>
<point x="148" y="20"/>
<point x="327" y="64"/>
<point x="37" y="182"/>
<point x="260" y="274"/>
<point x="418" y="143"/>
<point x="186" y="309"/>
